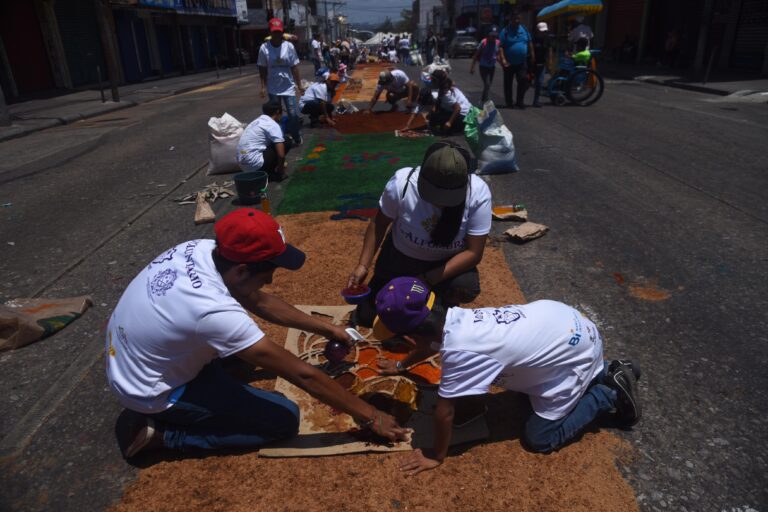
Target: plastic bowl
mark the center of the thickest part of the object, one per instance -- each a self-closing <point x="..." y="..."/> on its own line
<point x="355" y="294"/>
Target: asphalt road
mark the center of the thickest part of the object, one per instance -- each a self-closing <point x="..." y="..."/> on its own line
<point x="652" y="193"/>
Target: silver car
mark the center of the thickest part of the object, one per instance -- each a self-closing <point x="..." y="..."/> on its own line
<point x="462" y="46"/>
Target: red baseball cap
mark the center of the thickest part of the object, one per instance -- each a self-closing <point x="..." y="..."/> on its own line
<point x="275" y="25"/>
<point x="248" y="235"/>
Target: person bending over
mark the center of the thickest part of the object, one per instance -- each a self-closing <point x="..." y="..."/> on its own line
<point x="398" y="87"/>
<point x="440" y="216"/>
<point x="545" y="349"/>
<point x="317" y="100"/>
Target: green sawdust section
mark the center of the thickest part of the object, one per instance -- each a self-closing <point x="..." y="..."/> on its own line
<point x="347" y="173"/>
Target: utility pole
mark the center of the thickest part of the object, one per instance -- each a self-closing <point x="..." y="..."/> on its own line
<point x="103" y="16"/>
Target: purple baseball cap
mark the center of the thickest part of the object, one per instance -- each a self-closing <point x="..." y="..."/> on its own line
<point x="402" y="304"/>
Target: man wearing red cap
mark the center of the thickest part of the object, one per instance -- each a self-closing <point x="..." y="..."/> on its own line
<point x="188" y="309"/>
<point x="278" y="68"/>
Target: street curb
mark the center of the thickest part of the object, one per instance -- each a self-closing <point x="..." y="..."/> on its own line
<point x="120" y="106"/>
<point x="681" y="85"/>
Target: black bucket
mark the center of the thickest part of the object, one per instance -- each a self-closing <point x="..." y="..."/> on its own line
<point x="250" y="185"/>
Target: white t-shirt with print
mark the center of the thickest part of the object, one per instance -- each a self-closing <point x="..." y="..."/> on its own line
<point x="317" y="49"/>
<point x="454" y="96"/>
<point x="545" y="349"/>
<point x="316" y="91"/>
<point x="414" y="218"/>
<point x="398" y="83"/>
<point x="175" y="317"/>
<point x="279" y="61"/>
<point x="255" y="139"/>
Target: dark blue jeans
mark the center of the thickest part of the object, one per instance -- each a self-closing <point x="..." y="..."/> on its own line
<point x="542" y="435"/>
<point x="291" y="109"/>
<point x="214" y="410"/>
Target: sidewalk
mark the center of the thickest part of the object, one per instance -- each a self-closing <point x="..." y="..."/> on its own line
<point x="722" y="83"/>
<point x="36" y="115"/>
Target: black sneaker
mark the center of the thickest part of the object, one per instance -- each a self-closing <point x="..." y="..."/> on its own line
<point x="626" y="362"/>
<point x="622" y="380"/>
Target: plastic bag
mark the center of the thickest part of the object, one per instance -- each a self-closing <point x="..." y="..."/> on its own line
<point x="225" y="132"/>
<point x="471" y="129"/>
<point x="24" y="321"/>
<point x="496" y="143"/>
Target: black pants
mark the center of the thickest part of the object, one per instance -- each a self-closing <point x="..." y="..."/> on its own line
<point x="440" y="117"/>
<point x="270" y="159"/>
<point x="314" y="109"/>
<point x="391" y="263"/>
<point x="518" y="72"/>
<point x="486" y="73"/>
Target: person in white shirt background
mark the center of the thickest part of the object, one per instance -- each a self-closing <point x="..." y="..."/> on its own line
<point x="262" y="146"/>
<point x="317" y="51"/>
<point x="279" y="71"/>
<point x="317" y="100"/>
<point x="185" y="312"/>
<point x="545" y="349"/>
<point x="404" y="50"/>
<point x="451" y="105"/>
<point x="440" y="216"/>
<point x="580" y="35"/>
<point x="398" y="87"/>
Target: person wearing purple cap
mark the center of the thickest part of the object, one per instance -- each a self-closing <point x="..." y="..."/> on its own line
<point x="544" y="349"/>
<point x="189" y="309"/>
<point x="440" y="216"/>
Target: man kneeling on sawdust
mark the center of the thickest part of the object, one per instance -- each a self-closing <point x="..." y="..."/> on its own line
<point x="188" y="309"/>
<point x="545" y="349"/>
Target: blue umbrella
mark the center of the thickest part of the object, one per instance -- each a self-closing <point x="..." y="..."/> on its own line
<point x="584" y="7"/>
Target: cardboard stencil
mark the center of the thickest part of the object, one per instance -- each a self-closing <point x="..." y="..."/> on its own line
<point x="325" y="431"/>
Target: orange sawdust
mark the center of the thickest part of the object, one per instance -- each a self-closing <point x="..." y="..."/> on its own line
<point x="496" y="475"/>
<point x="650" y="292"/>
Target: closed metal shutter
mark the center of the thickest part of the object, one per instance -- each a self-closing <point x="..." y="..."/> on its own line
<point x="751" y="35"/>
<point x="624" y="19"/>
<point x="81" y="39"/>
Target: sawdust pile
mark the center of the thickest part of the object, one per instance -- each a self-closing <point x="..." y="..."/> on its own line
<point x="497" y="475"/>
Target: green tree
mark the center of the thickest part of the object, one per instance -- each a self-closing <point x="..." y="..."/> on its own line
<point x="405" y="24"/>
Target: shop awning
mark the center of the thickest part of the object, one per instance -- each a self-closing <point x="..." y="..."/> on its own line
<point x="583" y="7"/>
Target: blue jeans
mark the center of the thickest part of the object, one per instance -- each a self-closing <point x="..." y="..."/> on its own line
<point x="291" y="105"/>
<point x="214" y="410"/>
<point x="543" y="435"/>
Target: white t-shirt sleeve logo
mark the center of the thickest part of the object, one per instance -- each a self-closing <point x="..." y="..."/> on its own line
<point x="163" y="281"/>
<point x="282" y="235"/>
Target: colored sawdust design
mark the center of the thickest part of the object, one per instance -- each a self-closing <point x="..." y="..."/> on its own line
<point x="581" y="476"/>
<point x="362" y="83"/>
<point x="346" y="174"/>
<point x="409" y="397"/>
<point x="375" y="122"/>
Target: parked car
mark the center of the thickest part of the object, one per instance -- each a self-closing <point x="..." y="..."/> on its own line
<point x="462" y="46"/>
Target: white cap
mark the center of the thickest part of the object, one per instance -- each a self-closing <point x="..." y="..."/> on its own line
<point x="542" y="26"/>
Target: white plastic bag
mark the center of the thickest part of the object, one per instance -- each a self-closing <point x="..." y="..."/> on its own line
<point x="496" y="145"/>
<point x="225" y="132"/>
